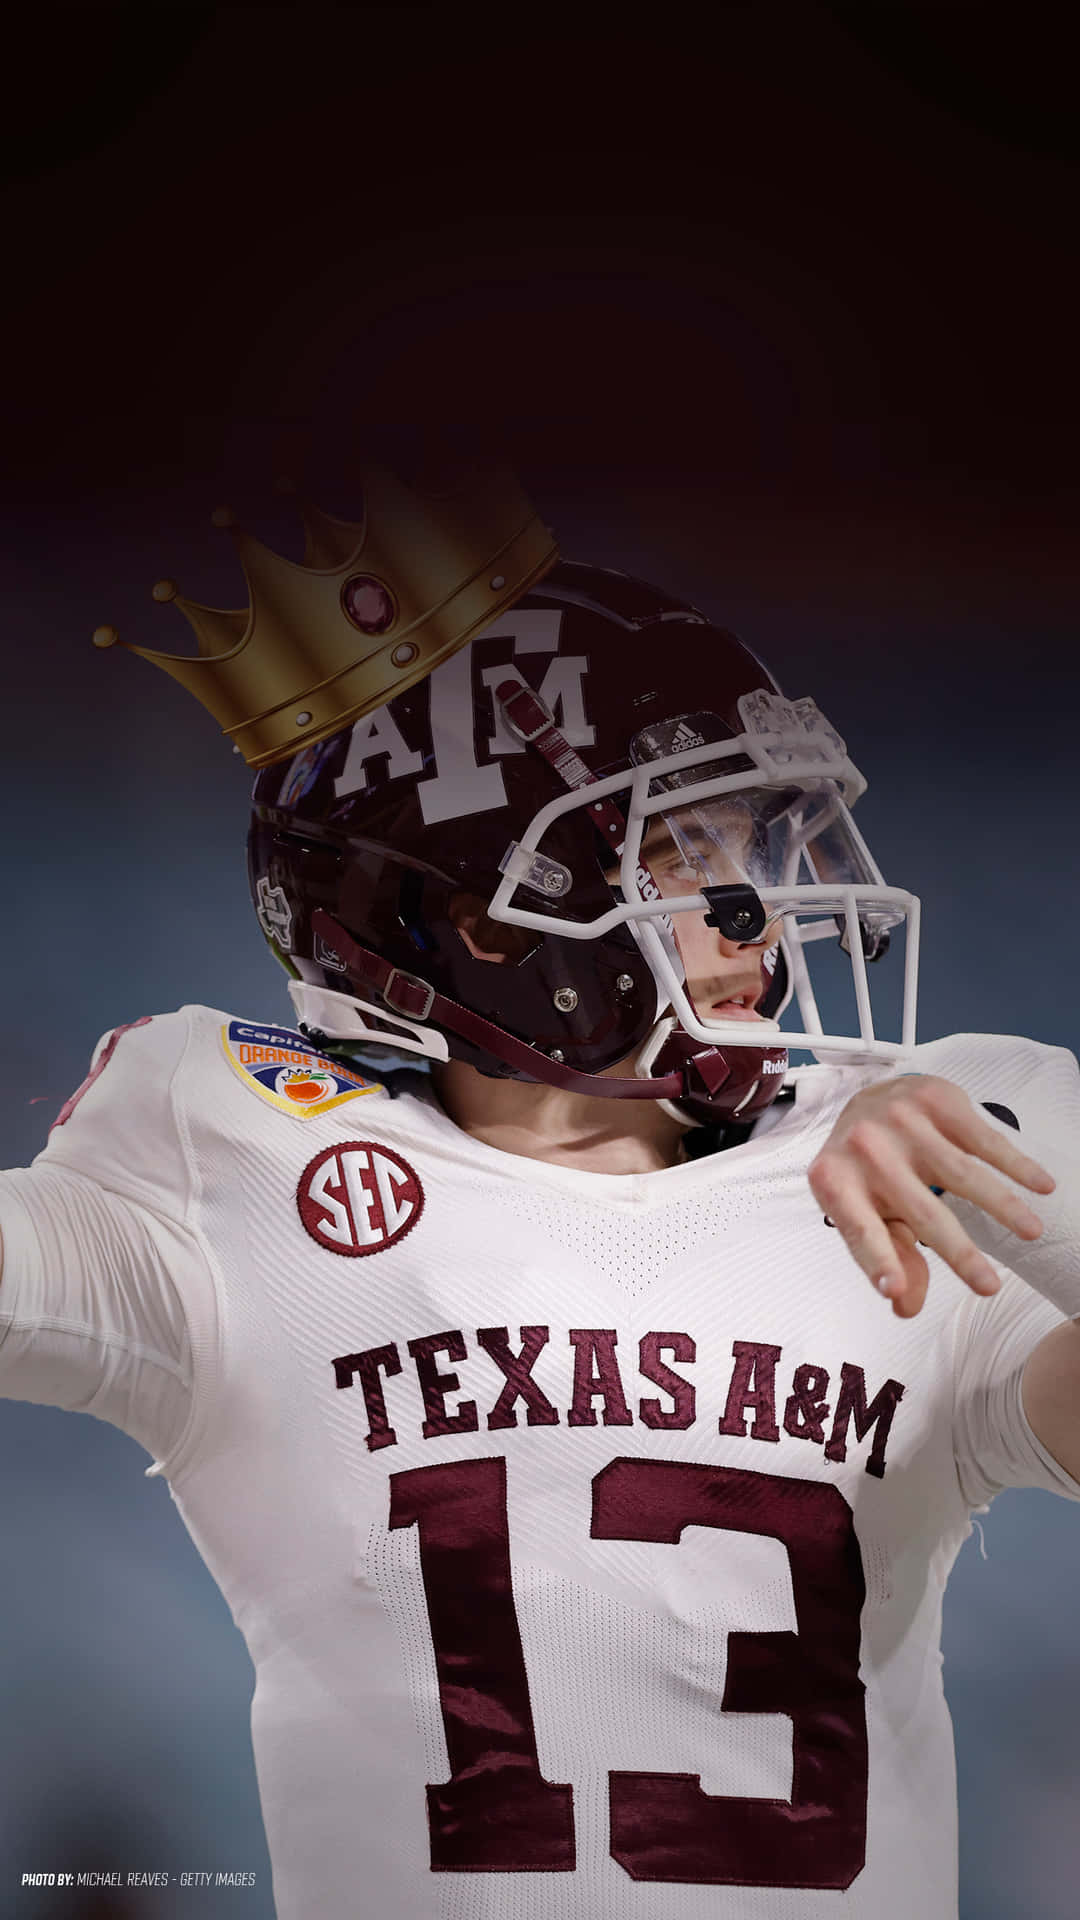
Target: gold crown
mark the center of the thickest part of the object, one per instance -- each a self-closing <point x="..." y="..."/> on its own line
<point x="374" y="606"/>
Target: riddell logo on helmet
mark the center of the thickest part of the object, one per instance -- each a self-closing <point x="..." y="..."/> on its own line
<point x="774" y="1066"/>
<point x="358" y="1198"/>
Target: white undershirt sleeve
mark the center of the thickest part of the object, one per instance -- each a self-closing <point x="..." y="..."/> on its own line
<point x="90" y="1314"/>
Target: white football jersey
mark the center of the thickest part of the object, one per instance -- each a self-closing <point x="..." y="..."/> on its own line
<point x="588" y="1532"/>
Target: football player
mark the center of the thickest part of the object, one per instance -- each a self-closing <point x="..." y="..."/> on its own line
<point x="587" y="1515"/>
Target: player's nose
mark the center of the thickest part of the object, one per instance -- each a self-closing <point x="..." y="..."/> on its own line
<point x="731" y="949"/>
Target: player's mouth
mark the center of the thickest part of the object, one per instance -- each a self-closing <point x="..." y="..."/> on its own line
<point x="741" y="1007"/>
<point x="741" y="1003"/>
<point x="737" y="997"/>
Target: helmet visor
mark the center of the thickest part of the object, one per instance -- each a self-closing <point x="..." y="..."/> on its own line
<point x="764" y="835"/>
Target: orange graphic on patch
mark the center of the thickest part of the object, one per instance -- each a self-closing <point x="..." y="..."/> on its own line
<point x="305" y="1087"/>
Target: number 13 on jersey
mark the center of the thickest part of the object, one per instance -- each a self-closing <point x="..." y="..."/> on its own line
<point x="497" y="1813"/>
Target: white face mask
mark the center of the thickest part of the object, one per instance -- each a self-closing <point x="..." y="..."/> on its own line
<point x="767" y="809"/>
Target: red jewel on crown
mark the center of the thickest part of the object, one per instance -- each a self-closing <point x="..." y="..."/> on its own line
<point x="368" y="604"/>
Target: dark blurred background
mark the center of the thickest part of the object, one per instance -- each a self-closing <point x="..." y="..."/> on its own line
<point x="776" y="305"/>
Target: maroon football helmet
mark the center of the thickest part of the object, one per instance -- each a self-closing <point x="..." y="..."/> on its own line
<point x="521" y="777"/>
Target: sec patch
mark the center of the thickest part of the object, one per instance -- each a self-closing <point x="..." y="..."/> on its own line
<point x="359" y="1197"/>
<point x="280" y="1066"/>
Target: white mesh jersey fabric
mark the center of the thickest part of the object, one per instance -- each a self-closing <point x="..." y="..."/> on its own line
<point x="657" y="1635"/>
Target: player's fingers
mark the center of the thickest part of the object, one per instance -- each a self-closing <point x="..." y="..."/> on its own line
<point x="934" y="1226"/>
<point x="952" y="1113"/>
<point x="941" y="1164"/>
<point x="1008" y="1159"/>
<point x="880" y="1185"/>
<point x="908" y="1298"/>
<point x="866" y="1233"/>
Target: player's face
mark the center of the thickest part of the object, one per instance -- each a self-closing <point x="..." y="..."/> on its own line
<point x="725" y="978"/>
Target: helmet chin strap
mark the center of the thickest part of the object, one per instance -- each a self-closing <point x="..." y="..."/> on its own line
<point x="413" y="999"/>
<point x="650" y="1048"/>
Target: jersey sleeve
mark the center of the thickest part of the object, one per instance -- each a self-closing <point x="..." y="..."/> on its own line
<point x="1030" y="1094"/>
<point x="101" y="1257"/>
<point x="993" y="1441"/>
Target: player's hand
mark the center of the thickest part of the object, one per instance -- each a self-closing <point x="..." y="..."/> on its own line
<point x="874" y="1178"/>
